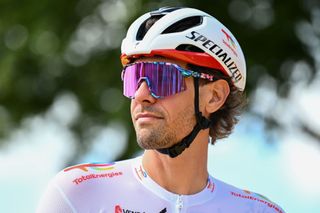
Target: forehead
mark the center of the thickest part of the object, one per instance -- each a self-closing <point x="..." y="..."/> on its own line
<point x="162" y="59"/>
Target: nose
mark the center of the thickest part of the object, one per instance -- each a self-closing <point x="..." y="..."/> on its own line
<point x="143" y="94"/>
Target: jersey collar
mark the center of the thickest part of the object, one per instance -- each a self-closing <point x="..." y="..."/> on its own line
<point x="203" y="196"/>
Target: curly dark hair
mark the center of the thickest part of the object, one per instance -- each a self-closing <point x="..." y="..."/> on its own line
<point x="224" y="119"/>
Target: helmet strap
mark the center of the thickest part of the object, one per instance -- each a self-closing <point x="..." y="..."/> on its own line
<point x="202" y="123"/>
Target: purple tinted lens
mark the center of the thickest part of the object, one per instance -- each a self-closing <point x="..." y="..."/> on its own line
<point x="130" y="77"/>
<point x="163" y="79"/>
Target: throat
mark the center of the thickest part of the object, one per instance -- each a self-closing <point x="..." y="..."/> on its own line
<point x="179" y="176"/>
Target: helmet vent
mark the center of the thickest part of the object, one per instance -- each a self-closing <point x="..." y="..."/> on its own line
<point x="183" y="24"/>
<point x="188" y="47"/>
<point x="146" y="25"/>
<point x="164" y="10"/>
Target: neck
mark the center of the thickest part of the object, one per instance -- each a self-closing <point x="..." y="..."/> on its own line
<point x="185" y="174"/>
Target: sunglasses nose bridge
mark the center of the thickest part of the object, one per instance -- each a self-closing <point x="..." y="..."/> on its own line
<point x="147" y="81"/>
<point x="141" y="80"/>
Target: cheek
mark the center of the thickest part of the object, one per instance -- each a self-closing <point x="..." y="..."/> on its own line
<point x="132" y="107"/>
<point x="177" y="104"/>
<point x="182" y="119"/>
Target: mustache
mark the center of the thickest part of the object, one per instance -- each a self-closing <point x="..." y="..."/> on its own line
<point x="149" y="109"/>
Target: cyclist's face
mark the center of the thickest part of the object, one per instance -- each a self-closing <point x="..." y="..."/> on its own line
<point x="160" y="123"/>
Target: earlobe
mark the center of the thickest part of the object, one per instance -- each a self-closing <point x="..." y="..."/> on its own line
<point x="218" y="93"/>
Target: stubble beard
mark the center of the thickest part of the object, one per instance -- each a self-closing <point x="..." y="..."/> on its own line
<point x="155" y="139"/>
<point x="165" y="135"/>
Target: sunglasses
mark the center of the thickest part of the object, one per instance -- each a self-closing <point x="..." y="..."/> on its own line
<point x="163" y="79"/>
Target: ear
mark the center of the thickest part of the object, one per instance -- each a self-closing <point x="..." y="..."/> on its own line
<point x="218" y="92"/>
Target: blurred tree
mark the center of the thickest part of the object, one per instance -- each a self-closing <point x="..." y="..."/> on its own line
<point x="50" y="47"/>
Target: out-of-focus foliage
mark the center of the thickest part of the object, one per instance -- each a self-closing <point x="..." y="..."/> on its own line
<point x="48" y="48"/>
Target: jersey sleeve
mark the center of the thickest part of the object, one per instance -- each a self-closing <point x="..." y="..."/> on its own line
<point x="88" y="187"/>
<point x="54" y="201"/>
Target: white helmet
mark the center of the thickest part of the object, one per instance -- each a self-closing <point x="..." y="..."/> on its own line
<point x="209" y="43"/>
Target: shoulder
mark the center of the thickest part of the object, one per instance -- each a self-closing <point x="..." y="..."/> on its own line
<point x="246" y="199"/>
<point x="91" y="178"/>
<point x="79" y="186"/>
<point x="94" y="172"/>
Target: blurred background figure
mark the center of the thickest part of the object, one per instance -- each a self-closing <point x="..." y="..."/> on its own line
<point x="58" y="65"/>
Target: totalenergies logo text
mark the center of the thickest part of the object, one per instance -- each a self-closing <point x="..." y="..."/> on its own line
<point x="92" y="166"/>
<point x="252" y="196"/>
<point x="230" y="42"/>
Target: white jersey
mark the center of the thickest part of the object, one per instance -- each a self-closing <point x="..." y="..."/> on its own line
<point x="125" y="187"/>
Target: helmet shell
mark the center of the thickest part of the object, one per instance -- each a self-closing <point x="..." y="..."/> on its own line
<point x="220" y="48"/>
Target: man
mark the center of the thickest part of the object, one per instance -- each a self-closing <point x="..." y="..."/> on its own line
<point x="185" y="73"/>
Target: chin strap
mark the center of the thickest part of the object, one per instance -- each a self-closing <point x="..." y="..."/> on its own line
<point x="202" y="123"/>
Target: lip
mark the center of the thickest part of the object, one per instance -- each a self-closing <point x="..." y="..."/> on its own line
<point x="147" y="116"/>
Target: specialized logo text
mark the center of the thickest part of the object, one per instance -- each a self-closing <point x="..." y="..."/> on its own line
<point x="219" y="52"/>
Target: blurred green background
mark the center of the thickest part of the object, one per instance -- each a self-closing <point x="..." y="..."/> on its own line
<point x="60" y="67"/>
